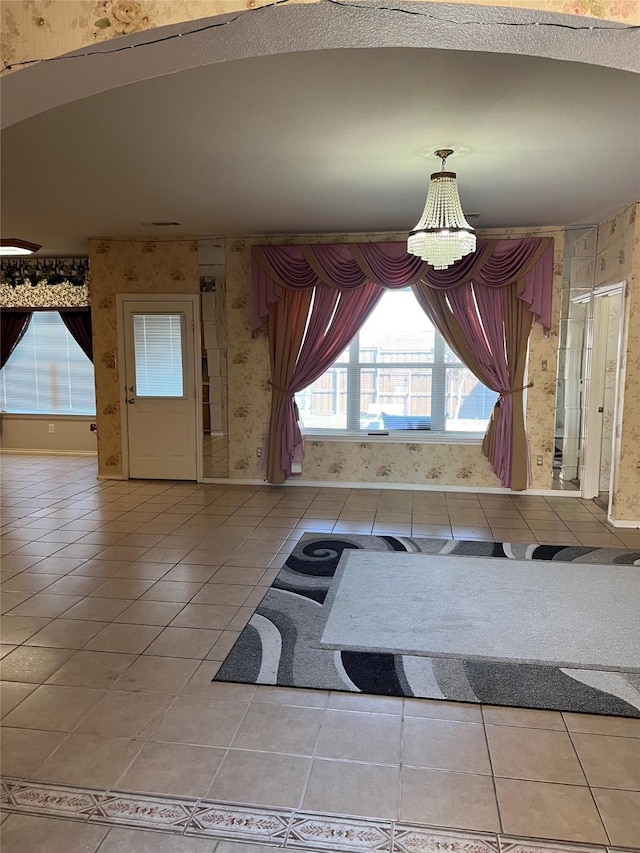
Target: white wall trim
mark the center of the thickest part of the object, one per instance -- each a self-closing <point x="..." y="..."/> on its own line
<point x="418" y="487"/>
<point x="623" y="524"/>
<point x="10" y="450"/>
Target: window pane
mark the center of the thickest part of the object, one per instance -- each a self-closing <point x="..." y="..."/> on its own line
<point x="47" y="372"/>
<point x="397" y="331"/>
<point x="395" y="398"/>
<point x="323" y="405"/>
<point x="158" y="355"/>
<point x="468" y="403"/>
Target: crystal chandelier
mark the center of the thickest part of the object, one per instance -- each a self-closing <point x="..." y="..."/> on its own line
<point x="443" y="235"/>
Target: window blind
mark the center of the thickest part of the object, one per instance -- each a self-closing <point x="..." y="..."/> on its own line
<point x="47" y="372"/>
<point x="157" y="342"/>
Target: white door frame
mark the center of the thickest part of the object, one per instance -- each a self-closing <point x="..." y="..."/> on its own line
<point x="187" y="298"/>
<point x="593" y="379"/>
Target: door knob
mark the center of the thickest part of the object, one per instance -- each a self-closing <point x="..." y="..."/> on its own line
<point x="131" y="400"/>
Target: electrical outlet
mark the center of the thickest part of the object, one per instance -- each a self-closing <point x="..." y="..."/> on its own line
<point x="52" y="428"/>
<point x="539" y="460"/>
<point x="258" y="452"/>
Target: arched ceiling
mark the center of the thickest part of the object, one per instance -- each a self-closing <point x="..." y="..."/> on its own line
<point x="301" y="140"/>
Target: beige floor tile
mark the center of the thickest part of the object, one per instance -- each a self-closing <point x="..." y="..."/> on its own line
<point x="12" y="693"/>
<point x="21" y="833"/>
<point x="9" y="600"/>
<point x="220" y="593"/>
<point x="92" y="669"/>
<point x="54" y="708"/>
<point x="122" y="714"/>
<point x="546" y="810"/>
<point x="33" y="664"/>
<point x="89" y="760"/>
<point x="273" y="728"/>
<point x="440" y="798"/>
<point x="183" y="643"/>
<point x="598" y="724"/>
<point x="122" y="588"/>
<point x="24" y="750"/>
<point x="201" y="684"/>
<point x="609" y="762"/>
<point x="238" y="575"/>
<point x="291" y="696"/>
<point x="445" y="745"/>
<point x="98" y="609"/>
<point x="211" y="616"/>
<point x="150" y="612"/>
<point x="341" y="787"/>
<point x="150" y="674"/>
<point x="205" y="722"/>
<point x="188" y="573"/>
<point x="537" y="754"/>
<point x="55" y="566"/>
<point x="167" y="768"/>
<point x="143" y="571"/>
<point x="74" y="585"/>
<point x="436" y="709"/>
<point x="25" y="582"/>
<point x="526" y="717"/>
<point x="620" y="812"/>
<point x="131" y="639"/>
<point x="261" y="778"/>
<point x="66" y="634"/>
<point x="373" y="738"/>
<point x="43" y="604"/>
<point x="171" y="591"/>
<point x="18" y="629"/>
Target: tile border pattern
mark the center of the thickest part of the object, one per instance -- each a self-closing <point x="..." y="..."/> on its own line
<point x="284" y="828"/>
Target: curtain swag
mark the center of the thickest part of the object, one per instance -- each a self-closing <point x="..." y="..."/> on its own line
<point x="44" y="271"/>
<point x="484" y="306"/>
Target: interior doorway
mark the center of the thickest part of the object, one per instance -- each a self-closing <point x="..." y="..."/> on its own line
<point x="600" y="392"/>
<point x="160" y="412"/>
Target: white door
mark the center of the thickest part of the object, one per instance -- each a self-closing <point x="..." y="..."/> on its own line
<point x="160" y="389"/>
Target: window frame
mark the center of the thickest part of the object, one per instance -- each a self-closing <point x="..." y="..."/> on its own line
<point x="437" y="434"/>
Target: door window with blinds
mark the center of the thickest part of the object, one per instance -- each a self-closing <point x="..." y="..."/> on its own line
<point x="47" y="373"/>
<point x="158" y="350"/>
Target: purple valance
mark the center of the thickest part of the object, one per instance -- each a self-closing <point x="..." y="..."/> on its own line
<point x="495" y="263"/>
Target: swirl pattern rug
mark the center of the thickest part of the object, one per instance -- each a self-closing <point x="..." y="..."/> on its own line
<point x="285" y="642"/>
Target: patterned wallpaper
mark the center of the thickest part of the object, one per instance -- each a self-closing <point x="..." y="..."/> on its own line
<point x="44" y="296"/>
<point x="128" y="266"/>
<point x="36" y="29"/>
<point x="333" y="461"/>
<point x="617" y="259"/>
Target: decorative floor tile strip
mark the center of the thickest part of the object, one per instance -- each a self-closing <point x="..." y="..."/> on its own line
<point x="38" y="798"/>
<point x="139" y="810"/>
<point x="6" y="786"/>
<point x="339" y="834"/>
<point x="418" y="839"/>
<point x="235" y="823"/>
<point x="520" y="845"/>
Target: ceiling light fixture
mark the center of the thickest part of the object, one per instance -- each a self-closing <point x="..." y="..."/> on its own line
<point x="443" y="235"/>
<point x="13" y="247"/>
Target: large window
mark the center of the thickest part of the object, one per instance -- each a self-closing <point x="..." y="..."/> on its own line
<point x="398" y="373"/>
<point x="47" y="373"/>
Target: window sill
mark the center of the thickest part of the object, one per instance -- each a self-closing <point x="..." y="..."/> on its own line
<point x="395" y="437"/>
<point x="44" y="417"/>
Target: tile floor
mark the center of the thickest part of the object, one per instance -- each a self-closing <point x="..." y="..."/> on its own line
<point x="122" y="598"/>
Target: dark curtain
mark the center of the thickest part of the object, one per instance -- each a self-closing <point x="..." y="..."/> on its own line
<point x="79" y="324"/>
<point x="14" y="325"/>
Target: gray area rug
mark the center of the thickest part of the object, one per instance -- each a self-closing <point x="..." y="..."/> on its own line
<point x="304" y="632"/>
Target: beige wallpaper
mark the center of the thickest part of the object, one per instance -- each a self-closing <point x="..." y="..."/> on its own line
<point x="37" y="29"/>
<point x="617" y="259"/>
<point x="128" y="266"/>
<point x="332" y="461"/>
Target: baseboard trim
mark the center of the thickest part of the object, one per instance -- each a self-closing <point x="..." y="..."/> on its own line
<point x="9" y="450"/>
<point x="418" y="487"/>
<point x="628" y="525"/>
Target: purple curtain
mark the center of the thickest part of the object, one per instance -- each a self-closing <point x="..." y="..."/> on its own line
<point x="13" y="326"/>
<point x="334" y="319"/>
<point x="495" y="266"/>
<point x="78" y="322"/>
